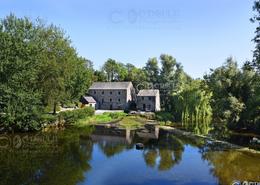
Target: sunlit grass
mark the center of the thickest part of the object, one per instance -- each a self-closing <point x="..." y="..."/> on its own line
<point x="132" y="122"/>
<point x="121" y="119"/>
<point x="101" y="118"/>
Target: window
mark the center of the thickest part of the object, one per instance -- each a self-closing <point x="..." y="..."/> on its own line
<point x="149" y="107"/>
<point x="110" y="92"/>
<point x="110" y="99"/>
<point x="119" y="92"/>
<point x="102" y="92"/>
<point x="150" y="98"/>
<point x="95" y="92"/>
<point x="119" y="100"/>
<point x="142" y="98"/>
<point x="102" y="100"/>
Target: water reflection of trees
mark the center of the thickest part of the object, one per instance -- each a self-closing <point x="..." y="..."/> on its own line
<point x="110" y="149"/>
<point x="202" y="127"/>
<point x="60" y="160"/>
<point x="226" y="163"/>
<point x="232" y="165"/>
<point x="167" y="150"/>
<point x="63" y="158"/>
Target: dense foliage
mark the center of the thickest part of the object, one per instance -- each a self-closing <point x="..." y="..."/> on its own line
<point x="255" y="63"/>
<point x="236" y="94"/>
<point x="192" y="104"/>
<point x="38" y="68"/>
<point x="71" y="117"/>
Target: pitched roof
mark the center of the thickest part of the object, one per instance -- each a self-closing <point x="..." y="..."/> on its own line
<point x="89" y="99"/>
<point x="148" y="92"/>
<point x="110" y="85"/>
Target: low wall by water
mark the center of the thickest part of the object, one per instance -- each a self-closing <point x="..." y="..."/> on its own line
<point x="224" y="144"/>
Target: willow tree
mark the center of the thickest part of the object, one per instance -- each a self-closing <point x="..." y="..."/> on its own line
<point x="192" y="104"/>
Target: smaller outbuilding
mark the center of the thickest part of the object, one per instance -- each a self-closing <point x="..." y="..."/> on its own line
<point x="88" y="101"/>
<point x="148" y="100"/>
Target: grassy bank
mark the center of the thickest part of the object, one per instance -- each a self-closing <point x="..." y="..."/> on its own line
<point x="101" y="118"/>
<point x="85" y="117"/>
<point x="132" y="122"/>
<point x="122" y="120"/>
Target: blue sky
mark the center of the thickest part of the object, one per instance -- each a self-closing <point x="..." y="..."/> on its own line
<point x="200" y="34"/>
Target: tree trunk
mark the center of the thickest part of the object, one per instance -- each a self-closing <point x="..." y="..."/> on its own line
<point x="54" y="108"/>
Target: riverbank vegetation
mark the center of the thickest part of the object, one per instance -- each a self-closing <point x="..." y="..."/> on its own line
<point x="104" y="118"/>
<point x="120" y="119"/>
<point x="132" y="122"/>
<point x="40" y="70"/>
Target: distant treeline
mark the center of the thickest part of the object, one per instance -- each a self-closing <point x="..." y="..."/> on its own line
<point x="40" y="70"/>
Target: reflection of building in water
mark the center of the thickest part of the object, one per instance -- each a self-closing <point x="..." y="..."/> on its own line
<point x="123" y="136"/>
<point x="149" y="133"/>
<point x="113" y="135"/>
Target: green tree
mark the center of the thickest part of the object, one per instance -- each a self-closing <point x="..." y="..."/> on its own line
<point x="135" y="75"/>
<point x="110" y="68"/>
<point x="224" y="83"/>
<point x="235" y="95"/>
<point x="152" y="70"/>
<point x="38" y="68"/>
<point x="99" y="76"/>
<point x="20" y="57"/>
<point x="256" y="19"/>
<point x="167" y="73"/>
<point x="192" y="104"/>
<point x="79" y="80"/>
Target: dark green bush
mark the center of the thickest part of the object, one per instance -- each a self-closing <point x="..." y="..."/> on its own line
<point x="49" y="118"/>
<point x="71" y="117"/>
<point x="164" y="116"/>
<point x="150" y="116"/>
<point x="115" y="115"/>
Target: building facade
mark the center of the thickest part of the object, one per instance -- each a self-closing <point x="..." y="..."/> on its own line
<point x="112" y="95"/>
<point x="148" y="100"/>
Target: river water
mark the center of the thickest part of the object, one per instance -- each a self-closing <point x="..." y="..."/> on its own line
<point x="108" y="156"/>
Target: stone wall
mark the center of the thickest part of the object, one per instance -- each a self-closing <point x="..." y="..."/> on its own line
<point x="148" y="103"/>
<point x="111" y="99"/>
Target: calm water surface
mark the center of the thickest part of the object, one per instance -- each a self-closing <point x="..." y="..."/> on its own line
<point x="104" y="156"/>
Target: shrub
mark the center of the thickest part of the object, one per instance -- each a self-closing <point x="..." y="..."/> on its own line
<point x="49" y="118"/>
<point x="115" y="115"/>
<point x="164" y="116"/>
<point x="150" y="116"/>
<point x="71" y="117"/>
